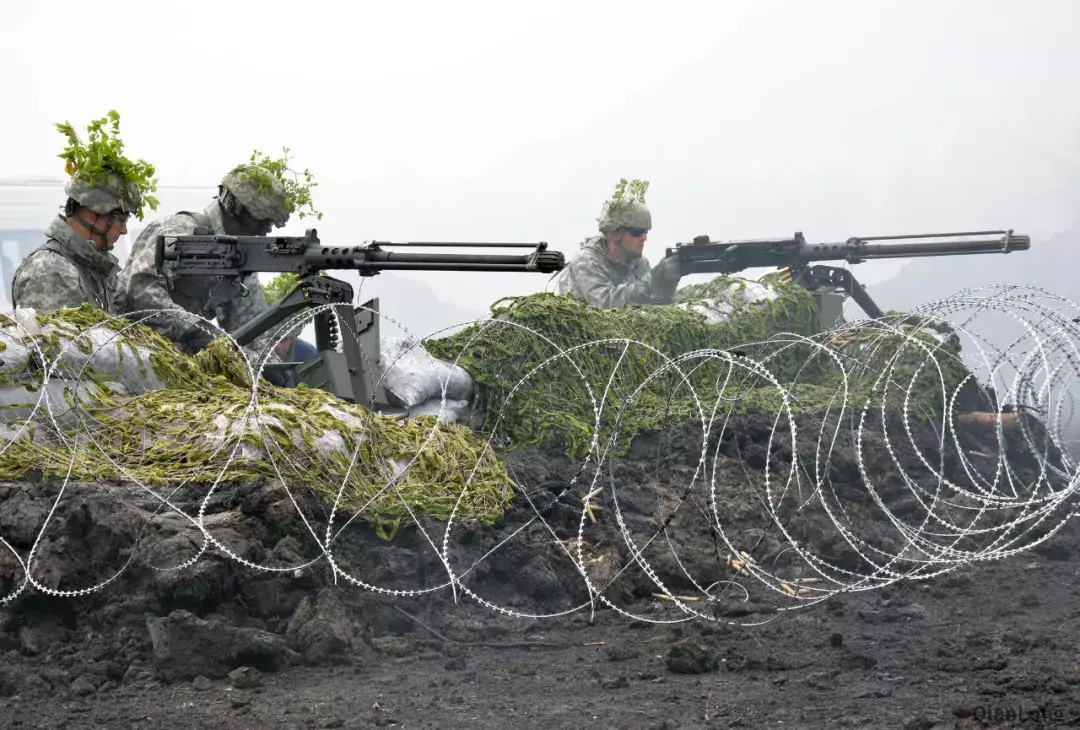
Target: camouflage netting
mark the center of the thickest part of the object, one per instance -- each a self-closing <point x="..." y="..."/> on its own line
<point x="533" y="396"/>
<point x="148" y="413"/>
<point x="543" y="366"/>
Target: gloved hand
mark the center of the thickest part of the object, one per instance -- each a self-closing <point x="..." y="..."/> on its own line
<point x="280" y="377"/>
<point x="195" y="340"/>
<point x="667" y="271"/>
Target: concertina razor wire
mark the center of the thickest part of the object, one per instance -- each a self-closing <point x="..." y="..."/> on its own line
<point x="936" y="505"/>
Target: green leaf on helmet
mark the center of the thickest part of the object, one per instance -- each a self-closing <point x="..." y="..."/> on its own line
<point x="297" y="193"/>
<point x="102" y="157"/>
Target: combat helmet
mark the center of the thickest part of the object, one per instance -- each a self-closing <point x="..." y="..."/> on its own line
<point x="260" y="193"/>
<point x="105" y="196"/>
<point x="624" y="214"/>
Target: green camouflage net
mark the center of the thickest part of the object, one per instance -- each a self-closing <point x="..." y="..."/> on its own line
<point x="200" y="425"/>
<point x="552" y="408"/>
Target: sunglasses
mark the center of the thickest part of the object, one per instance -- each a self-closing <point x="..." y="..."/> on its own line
<point x="637" y="232"/>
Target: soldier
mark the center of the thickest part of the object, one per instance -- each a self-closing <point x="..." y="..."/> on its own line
<point x="292" y="349"/>
<point x="609" y="270"/>
<point x="250" y="202"/>
<point x="76" y="265"/>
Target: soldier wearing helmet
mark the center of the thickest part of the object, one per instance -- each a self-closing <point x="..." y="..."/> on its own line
<point x="250" y="202"/>
<point x="75" y="265"/>
<point x="609" y="270"/>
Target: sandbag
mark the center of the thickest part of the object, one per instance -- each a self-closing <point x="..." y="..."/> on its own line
<point x="68" y="401"/>
<point x="453" y="411"/>
<point x="734" y="296"/>
<point x="411" y="375"/>
<point x="68" y="352"/>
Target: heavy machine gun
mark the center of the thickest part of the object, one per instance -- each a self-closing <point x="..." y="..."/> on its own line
<point x="796" y="257"/>
<point x="347" y="374"/>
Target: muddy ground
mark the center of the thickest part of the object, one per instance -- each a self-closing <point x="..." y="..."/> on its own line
<point x="182" y="639"/>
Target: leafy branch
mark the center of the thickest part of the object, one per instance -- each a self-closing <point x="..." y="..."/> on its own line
<point x="297" y="185"/>
<point x="629" y="191"/>
<point x="279" y="286"/>
<point x="103" y="156"/>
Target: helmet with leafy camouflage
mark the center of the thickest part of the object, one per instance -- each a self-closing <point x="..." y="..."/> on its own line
<point x="105" y="196"/>
<point x="628" y="214"/>
<point x="260" y="193"/>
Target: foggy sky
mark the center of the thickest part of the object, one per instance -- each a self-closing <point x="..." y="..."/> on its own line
<point x="513" y="121"/>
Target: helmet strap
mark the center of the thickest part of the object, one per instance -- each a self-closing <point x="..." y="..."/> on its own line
<point x="229" y="203"/>
<point x="100" y="233"/>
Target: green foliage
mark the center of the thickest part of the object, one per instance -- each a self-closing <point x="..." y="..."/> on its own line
<point x="298" y="185"/>
<point x="103" y="155"/>
<point x="535" y="397"/>
<point x="279" y="286"/>
<point x="553" y="409"/>
<point x="629" y="191"/>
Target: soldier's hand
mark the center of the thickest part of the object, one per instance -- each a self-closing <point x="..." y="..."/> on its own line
<point x="282" y="378"/>
<point x="668" y="270"/>
<point x="194" y="341"/>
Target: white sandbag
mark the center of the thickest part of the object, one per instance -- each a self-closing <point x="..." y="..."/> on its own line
<point x="230" y="425"/>
<point x="412" y="376"/>
<point x="716" y="312"/>
<point x="97" y="359"/>
<point x="746" y="291"/>
<point x="68" y="401"/>
<point x="94" y="353"/>
<point x="454" y="411"/>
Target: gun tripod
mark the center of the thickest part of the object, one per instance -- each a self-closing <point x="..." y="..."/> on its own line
<point x="824" y="281"/>
<point x="348" y="373"/>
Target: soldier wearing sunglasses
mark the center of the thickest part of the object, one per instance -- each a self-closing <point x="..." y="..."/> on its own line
<point x="75" y="265"/>
<point x="246" y="205"/>
<point x="609" y="270"/>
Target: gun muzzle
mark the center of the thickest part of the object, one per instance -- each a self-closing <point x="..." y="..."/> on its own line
<point x="1007" y="243"/>
<point x="1017" y="243"/>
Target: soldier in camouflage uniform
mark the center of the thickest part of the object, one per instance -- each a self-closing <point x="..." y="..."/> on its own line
<point x="241" y="208"/>
<point x="76" y="265"/>
<point x="609" y="271"/>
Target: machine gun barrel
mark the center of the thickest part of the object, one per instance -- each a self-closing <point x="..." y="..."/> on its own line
<point x="338" y="324"/>
<point x="861" y="249"/>
<point x="208" y="254"/>
<point x="728" y="257"/>
<point x="372" y="256"/>
<point x="799" y="259"/>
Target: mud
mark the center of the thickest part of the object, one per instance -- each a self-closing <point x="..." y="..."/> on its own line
<point x="185" y="637"/>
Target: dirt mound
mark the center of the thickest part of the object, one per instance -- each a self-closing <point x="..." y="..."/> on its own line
<point x="131" y="590"/>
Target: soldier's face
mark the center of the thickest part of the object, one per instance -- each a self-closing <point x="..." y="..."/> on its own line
<point x="633" y="240"/>
<point x="117" y="227"/>
<point x="261" y="227"/>
<point x="243" y="223"/>
<point x="114" y="225"/>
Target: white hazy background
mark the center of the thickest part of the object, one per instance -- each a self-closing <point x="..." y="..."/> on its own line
<point x="496" y="121"/>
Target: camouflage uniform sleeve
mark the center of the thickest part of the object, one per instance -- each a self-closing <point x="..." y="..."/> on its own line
<point x="588" y="279"/>
<point x="47" y="282"/>
<point x="142" y="288"/>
